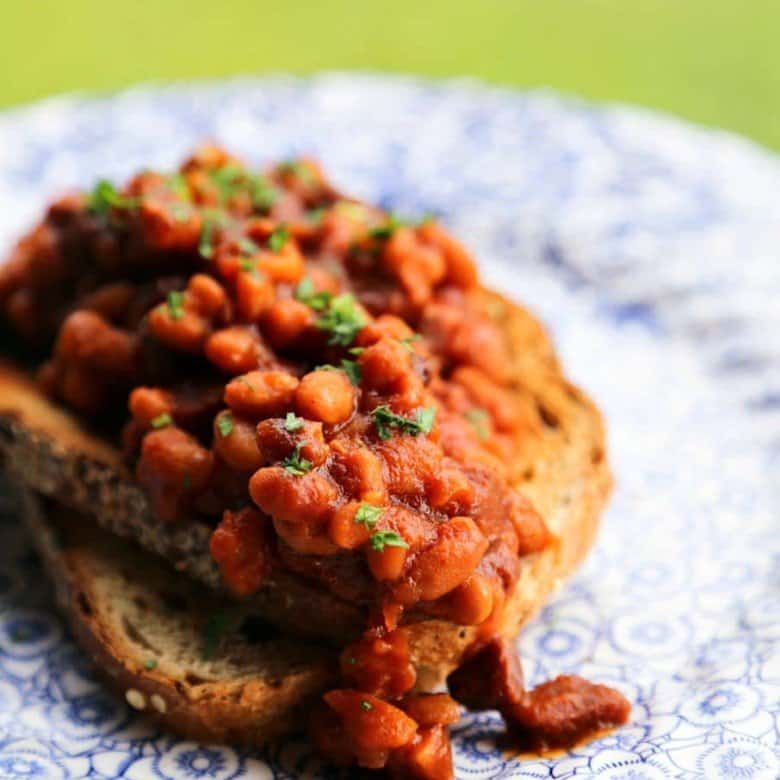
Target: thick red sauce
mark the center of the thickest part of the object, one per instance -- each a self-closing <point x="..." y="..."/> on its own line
<point x="324" y="384"/>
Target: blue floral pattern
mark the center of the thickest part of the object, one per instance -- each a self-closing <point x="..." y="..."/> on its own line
<point x="651" y="249"/>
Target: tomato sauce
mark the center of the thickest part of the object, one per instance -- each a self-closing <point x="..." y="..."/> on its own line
<point x="317" y="379"/>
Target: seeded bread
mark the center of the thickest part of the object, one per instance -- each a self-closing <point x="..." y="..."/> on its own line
<point x="561" y="467"/>
<point x="149" y="632"/>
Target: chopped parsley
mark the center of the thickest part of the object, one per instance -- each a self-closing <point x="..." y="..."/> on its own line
<point x="314" y="216"/>
<point x="211" y="222"/>
<point x="305" y="293"/>
<point x="366" y="706"/>
<point x="229" y="180"/>
<point x="349" y="367"/>
<point x="150" y="664"/>
<point x="278" y="238"/>
<point x="247" y="265"/>
<point x="479" y="420"/>
<point x="409" y="340"/>
<point x="105" y="196"/>
<point x="385" y="419"/>
<point x="293" y="423"/>
<point x="177" y="184"/>
<point x="368" y="515"/>
<point x="225" y="424"/>
<point x="262" y="193"/>
<point x="387" y="229"/>
<point x="245" y="381"/>
<point x="382" y="539"/>
<point x="357" y="350"/>
<point x="296" y="465"/>
<point x="181" y="212"/>
<point x="248" y="247"/>
<point x="175" y="303"/>
<point x="213" y="631"/>
<point x="162" y="421"/>
<point x="300" y="170"/>
<point x="352" y="370"/>
<point x="342" y="319"/>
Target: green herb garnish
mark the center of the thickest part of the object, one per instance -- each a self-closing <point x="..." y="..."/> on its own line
<point x="150" y="664"/>
<point x="297" y="169"/>
<point x="162" y="421"/>
<point x="211" y="221"/>
<point x="383" y="232"/>
<point x="342" y="319"/>
<point x="278" y="238"/>
<point x="409" y="340"/>
<point x="349" y="367"/>
<point x="385" y="419"/>
<point x="262" y="193"/>
<point x="366" y="706"/>
<point x="229" y="180"/>
<point x="382" y="539"/>
<point x="352" y="369"/>
<point x="293" y="423"/>
<point x="314" y="216"/>
<point x="213" y="631"/>
<point x="105" y="196"/>
<point x="177" y="184"/>
<point x="368" y="515"/>
<point x="305" y="293"/>
<point x="248" y="247"/>
<point x="175" y="303"/>
<point x="225" y="424"/>
<point x="296" y="465"/>
<point x="479" y="420"/>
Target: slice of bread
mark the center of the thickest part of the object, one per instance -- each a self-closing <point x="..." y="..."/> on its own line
<point x="560" y="465"/>
<point x="149" y="632"/>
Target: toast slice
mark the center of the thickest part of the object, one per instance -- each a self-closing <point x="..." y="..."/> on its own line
<point x="205" y="669"/>
<point x="561" y="467"/>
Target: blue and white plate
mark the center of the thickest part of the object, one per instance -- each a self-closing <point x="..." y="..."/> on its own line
<point x="652" y="250"/>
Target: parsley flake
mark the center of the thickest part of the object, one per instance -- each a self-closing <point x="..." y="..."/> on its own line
<point x="385" y="419"/>
<point x="409" y="340"/>
<point x="213" y="631"/>
<point x="105" y="196"/>
<point x="229" y="180"/>
<point x="211" y="222"/>
<point x="342" y="319"/>
<point x="300" y="170"/>
<point x="150" y="664"/>
<point x="305" y="293"/>
<point x="296" y="465"/>
<point x="382" y="539"/>
<point x="278" y="238"/>
<point x="479" y="420"/>
<point x="314" y="216"/>
<point x="262" y="193"/>
<point x="382" y="232"/>
<point x="293" y="423"/>
<point x="366" y="706"/>
<point x="248" y="247"/>
<point x="162" y="421"/>
<point x="225" y="424"/>
<point x="368" y="515"/>
<point x="175" y="303"/>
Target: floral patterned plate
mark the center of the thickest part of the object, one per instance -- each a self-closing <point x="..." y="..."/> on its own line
<point x="651" y="250"/>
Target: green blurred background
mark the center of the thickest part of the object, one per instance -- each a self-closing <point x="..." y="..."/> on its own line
<point x="713" y="61"/>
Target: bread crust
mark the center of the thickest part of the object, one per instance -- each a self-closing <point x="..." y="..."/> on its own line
<point x="247" y="694"/>
<point x="562" y="468"/>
